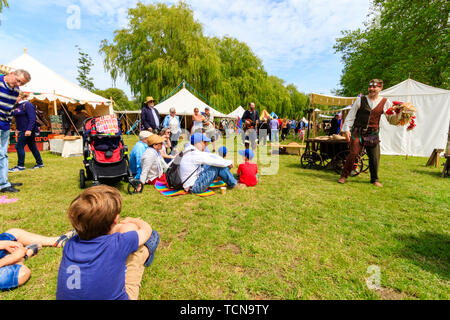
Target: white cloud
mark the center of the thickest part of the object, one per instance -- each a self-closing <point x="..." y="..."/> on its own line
<point x="289" y="36"/>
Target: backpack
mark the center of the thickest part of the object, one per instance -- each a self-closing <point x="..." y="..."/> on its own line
<point x="173" y="176"/>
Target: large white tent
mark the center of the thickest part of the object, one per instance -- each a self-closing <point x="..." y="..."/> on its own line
<point x="238" y="113"/>
<point x="433" y="116"/>
<point x="184" y="103"/>
<point x="49" y="87"/>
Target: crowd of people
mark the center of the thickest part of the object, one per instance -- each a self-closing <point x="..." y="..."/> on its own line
<point x="99" y="238"/>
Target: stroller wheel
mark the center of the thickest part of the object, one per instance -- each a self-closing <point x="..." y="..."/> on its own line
<point x="82" y="179"/>
<point x="134" y="185"/>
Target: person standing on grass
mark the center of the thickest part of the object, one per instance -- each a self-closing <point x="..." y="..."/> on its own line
<point x="9" y="91"/>
<point x="362" y="120"/>
<point x="26" y="125"/>
<point x="150" y="116"/>
<point x="209" y="127"/>
<point x="250" y="120"/>
<point x="172" y="121"/>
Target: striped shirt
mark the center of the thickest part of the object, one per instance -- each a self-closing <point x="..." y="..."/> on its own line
<point x="8" y="97"/>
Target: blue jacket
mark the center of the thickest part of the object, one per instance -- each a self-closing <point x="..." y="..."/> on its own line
<point x="148" y="120"/>
<point x="167" y="120"/>
<point x="135" y="158"/>
<point x="25" y="115"/>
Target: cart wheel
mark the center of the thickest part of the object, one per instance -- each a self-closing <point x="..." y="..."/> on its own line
<point x="134" y="185"/>
<point x="363" y="162"/>
<point x="311" y="160"/>
<point x="339" y="161"/>
<point x="82" y="179"/>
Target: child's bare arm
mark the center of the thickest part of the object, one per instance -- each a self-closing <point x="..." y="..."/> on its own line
<point x="14" y="257"/>
<point x="144" y="230"/>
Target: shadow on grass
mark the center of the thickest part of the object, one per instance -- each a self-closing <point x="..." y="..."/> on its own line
<point x="436" y="173"/>
<point x="430" y="251"/>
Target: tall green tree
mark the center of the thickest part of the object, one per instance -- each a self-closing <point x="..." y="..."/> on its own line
<point x="120" y="98"/>
<point x="162" y="46"/>
<point x="84" y="69"/>
<point x="401" y="39"/>
<point x="3" y="3"/>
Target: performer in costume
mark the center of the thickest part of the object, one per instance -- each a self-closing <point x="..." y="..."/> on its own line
<point x="361" y="128"/>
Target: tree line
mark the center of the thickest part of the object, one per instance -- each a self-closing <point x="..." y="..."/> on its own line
<point x="163" y="45"/>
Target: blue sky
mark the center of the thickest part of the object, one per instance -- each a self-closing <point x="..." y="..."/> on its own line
<point x="294" y="38"/>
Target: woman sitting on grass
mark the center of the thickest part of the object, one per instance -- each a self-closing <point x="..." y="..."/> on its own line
<point x="152" y="162"/>
<point x="165" y="133"/>
<point x="16" y="246"/>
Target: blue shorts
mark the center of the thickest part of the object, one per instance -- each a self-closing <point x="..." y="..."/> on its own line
<point x="9" y="275"/>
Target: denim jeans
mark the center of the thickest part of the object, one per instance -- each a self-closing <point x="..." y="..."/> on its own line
<point x="4" y="139"/>
<point x="274" y="135"/>
<point x="29" y="141"/>
<point x="210" y="174"/>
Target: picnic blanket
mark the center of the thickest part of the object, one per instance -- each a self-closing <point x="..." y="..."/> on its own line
<point x="166" y="191"/>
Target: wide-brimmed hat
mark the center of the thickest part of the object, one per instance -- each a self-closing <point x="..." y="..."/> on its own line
<point x="148" y="99"/>
<point x="155" y="139"/>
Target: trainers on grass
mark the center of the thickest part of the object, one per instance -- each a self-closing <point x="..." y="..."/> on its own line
<point x="38" y="166"/>
<point x="16" y="168"/>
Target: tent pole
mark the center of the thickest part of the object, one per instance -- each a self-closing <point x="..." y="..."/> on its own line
<point x="54" y="104"/>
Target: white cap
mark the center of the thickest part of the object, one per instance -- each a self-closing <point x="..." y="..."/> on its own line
<point x="144" y="134"/>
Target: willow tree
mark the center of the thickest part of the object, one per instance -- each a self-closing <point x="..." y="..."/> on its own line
<point x="161" y="46"/>
<point x="3" y="3"/>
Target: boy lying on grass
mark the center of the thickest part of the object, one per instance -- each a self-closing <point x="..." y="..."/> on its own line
<point x="106" y="259"/>
<point x="16" y="246"/>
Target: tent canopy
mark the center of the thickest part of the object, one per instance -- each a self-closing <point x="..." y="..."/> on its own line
<point x="47" y="86"/>
<point x="331" y="100"/>
<point x="433" y="117"/>
<point x="238" y="113"/>
<point x="184" y="103"/>
<point x="264" y="115"/>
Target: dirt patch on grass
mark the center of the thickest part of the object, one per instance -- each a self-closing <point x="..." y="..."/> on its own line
<point x="182" y="235"/>
<point x="390" y="294"/>
<point x="231" y="247"/>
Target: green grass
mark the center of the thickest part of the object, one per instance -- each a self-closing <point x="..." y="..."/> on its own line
<point x="297" y="235"/>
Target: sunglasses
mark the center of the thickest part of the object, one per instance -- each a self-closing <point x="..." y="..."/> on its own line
<point x="374" y="84"/>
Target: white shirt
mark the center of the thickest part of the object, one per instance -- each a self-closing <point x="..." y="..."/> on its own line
<point x="350" y="119"/>
<point x="152" y="165"/>
<point x="193" y="161"/>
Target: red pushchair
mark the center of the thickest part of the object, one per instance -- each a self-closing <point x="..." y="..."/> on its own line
<point x="105" y="154"/>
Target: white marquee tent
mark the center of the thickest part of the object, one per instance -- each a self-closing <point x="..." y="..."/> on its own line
<point x="238" y="113"/>
<point x="49" y="87"/>
<point x="433" y="116"/>
<point x="184" y="103"/>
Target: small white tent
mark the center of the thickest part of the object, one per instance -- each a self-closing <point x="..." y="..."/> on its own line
<point x="433" y="116"/>
<point x="238" y="113"/>
<point x="49" y="87"/>
<point x="184" y="103"/>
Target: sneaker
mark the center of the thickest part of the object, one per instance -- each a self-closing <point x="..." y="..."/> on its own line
<point x="38" y="166"/>
<point x="16" y="168"/>
<point x="354" y="173"/>
<point x="9" y="189"/>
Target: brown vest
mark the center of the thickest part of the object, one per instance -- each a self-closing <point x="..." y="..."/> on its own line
<point x="367" y="118"/>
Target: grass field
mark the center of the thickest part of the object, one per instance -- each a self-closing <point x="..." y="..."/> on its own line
<point x="297" y="235"/>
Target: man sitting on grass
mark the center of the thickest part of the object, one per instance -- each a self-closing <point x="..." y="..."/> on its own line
<point x="198" y="169"/>
<point x="137" y="152"/>
<point x="247" y="171"/>
<point x="106" y="260"/>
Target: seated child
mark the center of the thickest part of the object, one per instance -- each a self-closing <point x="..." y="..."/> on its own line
<point x="247" y="171"/>
<point x="106" y="260"/>
<point x="222" y="152"/>
<point x="16" y="246"/>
